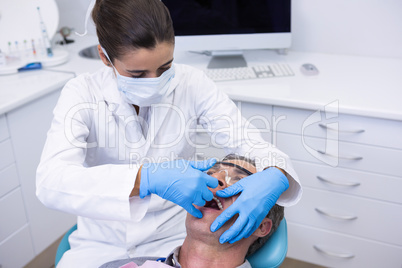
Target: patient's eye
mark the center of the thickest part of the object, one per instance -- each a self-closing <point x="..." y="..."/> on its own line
<point x="235" y="179"/>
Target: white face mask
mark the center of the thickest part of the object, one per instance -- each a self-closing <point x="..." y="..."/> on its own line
<point x="144" y="91"/>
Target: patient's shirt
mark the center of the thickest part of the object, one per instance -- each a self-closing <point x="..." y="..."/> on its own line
<point x="147" y="264"/>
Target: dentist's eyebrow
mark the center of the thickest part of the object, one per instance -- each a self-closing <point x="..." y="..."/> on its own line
<point x="143" y="71"/>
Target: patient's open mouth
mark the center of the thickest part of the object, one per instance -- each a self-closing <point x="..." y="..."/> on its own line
<point x="215" y="203"/>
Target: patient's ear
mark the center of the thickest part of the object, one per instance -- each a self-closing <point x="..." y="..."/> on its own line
<point x="264" y="228"/>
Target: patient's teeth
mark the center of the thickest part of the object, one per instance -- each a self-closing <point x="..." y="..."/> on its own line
<point x="219" y="203"/>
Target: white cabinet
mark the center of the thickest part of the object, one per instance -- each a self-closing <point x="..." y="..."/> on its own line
<point x="13" y="214"/>
<point x="16" y="250"/>
<point x="335" y="249"/>
<point x="351" y="210"/>
<point x="26" y="226"/>
<point x="15" y="241"/>
<point x="256" y="115"/>
<point x="3" y="128"/>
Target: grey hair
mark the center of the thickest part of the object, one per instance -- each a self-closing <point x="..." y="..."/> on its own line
<point x="238" y="157"/>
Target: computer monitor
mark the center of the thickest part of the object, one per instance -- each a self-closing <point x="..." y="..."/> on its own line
<point x="226" y="28"/>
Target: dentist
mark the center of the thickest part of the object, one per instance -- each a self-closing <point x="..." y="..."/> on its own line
<point x="119" y="153"/>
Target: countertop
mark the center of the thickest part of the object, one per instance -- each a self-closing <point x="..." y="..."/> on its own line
<point x="363" y="86"/>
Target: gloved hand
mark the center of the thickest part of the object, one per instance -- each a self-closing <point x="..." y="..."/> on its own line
<point x="259" y="193"/>
<point x="179" y="181"/>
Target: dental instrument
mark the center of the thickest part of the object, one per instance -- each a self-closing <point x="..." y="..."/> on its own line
<point x="45" y="36"/>
<point x="33" y="47"/>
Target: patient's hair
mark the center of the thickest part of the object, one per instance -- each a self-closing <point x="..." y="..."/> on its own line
<point x="276" y="213"/>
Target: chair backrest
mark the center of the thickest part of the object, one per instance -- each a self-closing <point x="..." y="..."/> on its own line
<point x="64" y="245"/>
<point x="271" y="255"/>
<point x="274" y="251"/>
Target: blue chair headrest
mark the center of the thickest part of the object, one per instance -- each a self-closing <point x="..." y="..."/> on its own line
<point x="274" y="251"/>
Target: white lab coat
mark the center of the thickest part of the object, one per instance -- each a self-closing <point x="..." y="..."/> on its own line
<point x="96" y="145"/>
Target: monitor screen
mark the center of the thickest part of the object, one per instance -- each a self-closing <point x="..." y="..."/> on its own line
<point x="216" y="17"/>
<point x="228" y="27"/>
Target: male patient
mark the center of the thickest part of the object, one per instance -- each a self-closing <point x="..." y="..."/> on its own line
<point x="201" y="247"/>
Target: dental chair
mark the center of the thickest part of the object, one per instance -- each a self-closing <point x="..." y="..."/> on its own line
<point x="271" y="255"/>
<point x="274" y="251"/>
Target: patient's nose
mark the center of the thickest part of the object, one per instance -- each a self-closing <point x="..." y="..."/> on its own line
<point x="221" y="176"/>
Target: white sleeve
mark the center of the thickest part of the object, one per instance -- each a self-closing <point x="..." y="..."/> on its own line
<point x="220" y="116"/>
<point x="63" y="182"/>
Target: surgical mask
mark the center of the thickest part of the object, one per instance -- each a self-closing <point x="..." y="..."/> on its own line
<point x="144" y="91"/>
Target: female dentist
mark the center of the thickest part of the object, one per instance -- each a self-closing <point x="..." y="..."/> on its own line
<point x="118" y="151"/>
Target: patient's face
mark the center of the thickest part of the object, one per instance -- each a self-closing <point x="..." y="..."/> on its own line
<point x="214" y="208"/>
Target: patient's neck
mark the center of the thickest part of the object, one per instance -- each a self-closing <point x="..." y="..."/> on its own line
<point x="198" y="254"/>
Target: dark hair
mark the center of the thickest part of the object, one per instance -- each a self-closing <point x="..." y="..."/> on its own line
<point x="126" y="24"/>
<point x="276" y="213"/>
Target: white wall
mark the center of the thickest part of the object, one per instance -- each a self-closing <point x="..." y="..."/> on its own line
<point x="354" y="27"/>
<point x="357" y="27"/>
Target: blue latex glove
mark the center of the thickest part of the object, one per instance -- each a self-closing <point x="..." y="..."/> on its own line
<point x="179" y="181"/>
<point x="259" y="192"/>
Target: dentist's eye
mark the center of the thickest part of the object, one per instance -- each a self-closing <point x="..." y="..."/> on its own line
<point x="162" y="70"/>
<point x="138" y="76"/>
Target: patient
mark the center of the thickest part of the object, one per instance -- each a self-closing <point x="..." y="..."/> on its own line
<point x="201" y="247"/>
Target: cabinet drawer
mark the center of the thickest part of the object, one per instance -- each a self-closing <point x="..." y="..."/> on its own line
<point x="347" y="181"/>
<point x="205" y="149"/>
<point x="341" y="154"/>
<point x="357" y="129"/>
<point x="351" y="215"/>
<point x="17" y="250"/>
<point x="8" y="179"/>
<point x="258" y="115"/>
<point x="4" y="133"/>
<point x="366" y="253"/>
<point x="6" y="154"/>
<point x="12" y="213"/>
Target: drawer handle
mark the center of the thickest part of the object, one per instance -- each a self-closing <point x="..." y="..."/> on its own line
<point x="347" y="184"/>
<point x="333" y="254"/>
<point x="339" y="217"/>
<point x="347" y="131"/>
<point x="354" y="158"/>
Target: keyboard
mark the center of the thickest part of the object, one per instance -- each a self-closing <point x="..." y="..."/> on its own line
<point x="250" y="72"/>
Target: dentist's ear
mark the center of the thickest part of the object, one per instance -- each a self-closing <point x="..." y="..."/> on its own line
<point x="264" y="228"/>
<point x="103" y="57"/>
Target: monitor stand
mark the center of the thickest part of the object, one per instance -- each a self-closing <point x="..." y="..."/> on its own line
<point x="227" y="59"/>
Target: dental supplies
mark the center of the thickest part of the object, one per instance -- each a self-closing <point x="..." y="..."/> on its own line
<point x="3" y="60"/>
<point x="26" y="34"/>
<point x="31" y="66"/>
<point x="45" y="36"/>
